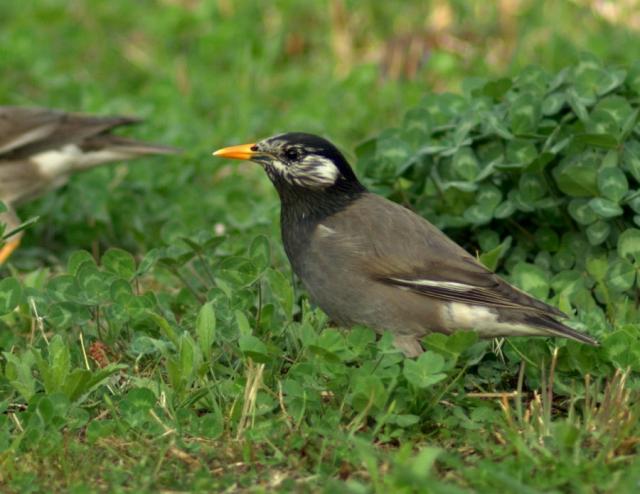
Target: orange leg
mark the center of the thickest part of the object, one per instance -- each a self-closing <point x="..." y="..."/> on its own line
<point x="8" y="248"/>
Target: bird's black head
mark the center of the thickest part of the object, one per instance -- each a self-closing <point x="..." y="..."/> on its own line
<point x="297" y="160"/>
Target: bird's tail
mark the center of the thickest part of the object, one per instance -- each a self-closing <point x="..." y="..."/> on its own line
<point x="555" y="328"/>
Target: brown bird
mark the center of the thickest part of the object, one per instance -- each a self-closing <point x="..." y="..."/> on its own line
<point x="41" y="148"/>
<point x="367" y="260"/>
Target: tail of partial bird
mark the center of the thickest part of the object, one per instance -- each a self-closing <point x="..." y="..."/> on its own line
<point x="135" y="147"/>
<point x="105" y="148"/>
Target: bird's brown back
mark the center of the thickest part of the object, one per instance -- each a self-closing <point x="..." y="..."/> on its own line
<point x="392" y="242"/>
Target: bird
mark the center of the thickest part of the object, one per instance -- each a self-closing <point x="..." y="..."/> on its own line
<point x="366" y="260"/>
<point x="40" y="148"/>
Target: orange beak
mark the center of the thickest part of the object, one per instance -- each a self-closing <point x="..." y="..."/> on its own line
<point x="241" y="152"/>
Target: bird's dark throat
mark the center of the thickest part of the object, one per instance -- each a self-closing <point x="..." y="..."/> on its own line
<point x="311" y="206"/>
<point x="302" y="209"/>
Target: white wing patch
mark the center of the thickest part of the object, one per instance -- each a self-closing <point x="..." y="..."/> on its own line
<point x="449" y="285"/>
<point x="27" y="137"/>
<point x="325" y="231"/>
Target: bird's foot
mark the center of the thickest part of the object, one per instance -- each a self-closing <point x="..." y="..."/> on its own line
<point x="8" y="249"/>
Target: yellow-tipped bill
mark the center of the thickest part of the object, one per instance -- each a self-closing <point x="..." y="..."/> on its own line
<point x="241" y="152"/>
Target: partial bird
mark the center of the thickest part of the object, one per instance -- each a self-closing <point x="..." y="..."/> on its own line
<point x="41" y="148"/>
<point x="367" y="260"/>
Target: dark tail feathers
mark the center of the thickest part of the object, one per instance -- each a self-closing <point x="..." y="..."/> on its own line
<point x="556" y="328"/>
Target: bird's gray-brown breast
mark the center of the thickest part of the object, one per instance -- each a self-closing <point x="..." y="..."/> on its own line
<point x="336" y="262"/>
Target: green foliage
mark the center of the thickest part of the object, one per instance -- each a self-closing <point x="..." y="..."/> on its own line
<point x="425" y="371"/>
<point x="6" y="233"/>
<point x="10" y="295"/>
<point x="546" y="164"/>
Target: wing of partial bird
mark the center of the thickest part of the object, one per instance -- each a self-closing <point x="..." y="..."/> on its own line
<point x="23" y="126"/>
<point x="414" y="255"/>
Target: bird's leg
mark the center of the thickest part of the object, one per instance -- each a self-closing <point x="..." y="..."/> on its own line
<point x="409" y="345"/>
<point x="8" y="248"/>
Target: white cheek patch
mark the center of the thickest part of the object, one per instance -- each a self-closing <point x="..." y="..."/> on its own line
<point x="314" y="171"/>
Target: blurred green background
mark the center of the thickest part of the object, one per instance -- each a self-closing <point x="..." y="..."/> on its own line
<point x="210" y="73"/>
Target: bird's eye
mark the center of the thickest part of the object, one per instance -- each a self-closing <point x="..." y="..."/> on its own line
<point x="292" y="154"/>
